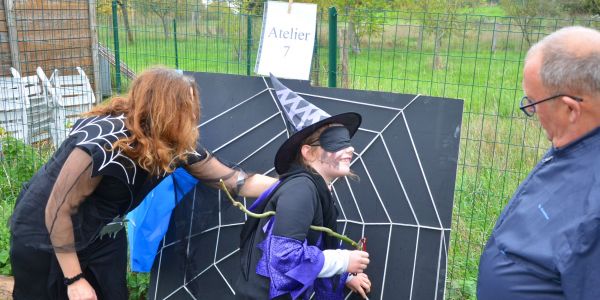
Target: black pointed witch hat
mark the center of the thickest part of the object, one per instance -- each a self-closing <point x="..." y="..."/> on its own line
<point x="303" y="119"/>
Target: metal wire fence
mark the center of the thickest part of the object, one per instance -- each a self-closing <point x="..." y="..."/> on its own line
<point x="471" y="57"/>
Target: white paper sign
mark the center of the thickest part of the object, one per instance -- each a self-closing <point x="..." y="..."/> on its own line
<point x="287" y="40"/>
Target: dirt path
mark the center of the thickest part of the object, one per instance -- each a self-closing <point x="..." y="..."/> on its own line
<point x="6" y="287"/>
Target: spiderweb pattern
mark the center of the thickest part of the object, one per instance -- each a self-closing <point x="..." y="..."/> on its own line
<point x="107" y="130"/>
<point x="393" y="205"/>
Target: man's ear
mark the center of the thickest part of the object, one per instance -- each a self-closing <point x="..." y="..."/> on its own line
<point x="574" y="108"/>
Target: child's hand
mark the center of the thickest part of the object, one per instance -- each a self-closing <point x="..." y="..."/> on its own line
<point x="360" y="284"/>
<point x="358" y="261"/>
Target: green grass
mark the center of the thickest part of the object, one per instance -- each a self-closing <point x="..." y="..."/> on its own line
<point x="486" y="10"/>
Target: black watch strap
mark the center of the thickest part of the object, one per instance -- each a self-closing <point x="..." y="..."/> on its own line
<point x="69" y="281"/>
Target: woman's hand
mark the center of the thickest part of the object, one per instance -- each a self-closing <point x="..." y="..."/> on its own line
<point x="360" y="284"/>
<point x="358" y="261"/>
<point x="81" y="290"/>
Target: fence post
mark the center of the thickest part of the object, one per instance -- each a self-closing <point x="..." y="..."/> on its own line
<point x="332" y="46"/>
<point x="248" y="44"/>
<point x="175" y="42"/>
<point x="95" y="56"/>
<point x="13" y="41"/>
<point x="116" y="39"/>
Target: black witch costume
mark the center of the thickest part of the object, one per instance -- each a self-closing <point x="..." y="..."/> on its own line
<point x="281" y="257"/>
<point x="96" y="186"/>
<point x="290" y="256"/>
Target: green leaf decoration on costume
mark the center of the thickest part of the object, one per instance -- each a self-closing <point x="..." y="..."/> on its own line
<point x="328" y="231"/>
<point x="111" y="229"/>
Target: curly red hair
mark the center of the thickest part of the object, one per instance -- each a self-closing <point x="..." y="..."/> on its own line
<point x="162" y="111"/>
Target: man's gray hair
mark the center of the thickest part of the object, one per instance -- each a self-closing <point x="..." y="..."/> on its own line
<point x="568" y="63"/>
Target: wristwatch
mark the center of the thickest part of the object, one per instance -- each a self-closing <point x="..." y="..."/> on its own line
<point x="241" y="180"/>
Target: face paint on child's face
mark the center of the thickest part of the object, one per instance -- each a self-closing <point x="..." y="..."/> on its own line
<point x="336" y="164"/>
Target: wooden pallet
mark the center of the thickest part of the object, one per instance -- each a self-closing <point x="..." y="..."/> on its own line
<point x="110" y="57"/>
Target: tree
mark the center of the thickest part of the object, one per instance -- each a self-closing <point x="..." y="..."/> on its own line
<point x="592" y="6"/>
<point x="123" y="5"/>
<point x="196" y="16"/>
<point x="230" y="22"/>
<point x="441" y="15"/>
<point x="582" y="7"/>
<point x="165" y="10"/>
<point x="528" y="13"/>
<point x="254" y="7"/>
<point x="105" y="8"/>
<point x="361" y="17"/>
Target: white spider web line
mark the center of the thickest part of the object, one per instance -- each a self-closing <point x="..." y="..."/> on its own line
<point x="187" y="250"/>
<point x="345" y="220"/>
<point x="375" y="189"/>
<point x="188" y="291"/>
<point x="333" y="189"/>
<point x="437" y="275"/>
<point x="423" y="173"/>
<point x="387" y="150"/>
<point x="362" y="220"/>
<point x="217" y="244"/>
<point x="387" y="256"/>
<point x="349" y="101"/>
<point x="362" y="103"/>
<point x="158" y="268"/>
<point x="263" y="146"/>
<point x="412" y="277"/>
<point x="446" y="268"/>
<point x="232" y="108"/>
<point x="245" y="132"/>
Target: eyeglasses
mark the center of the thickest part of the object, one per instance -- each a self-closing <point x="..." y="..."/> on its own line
<point x="528" y="105"/>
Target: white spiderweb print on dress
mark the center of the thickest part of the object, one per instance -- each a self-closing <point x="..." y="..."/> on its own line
<point x="401" y="203"/>
<point x="102" y="132"/>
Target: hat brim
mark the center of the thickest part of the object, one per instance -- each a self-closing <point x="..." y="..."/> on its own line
<point x="287" y="151"/>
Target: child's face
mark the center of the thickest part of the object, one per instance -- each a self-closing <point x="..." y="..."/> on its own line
<point x="332" y="165"/>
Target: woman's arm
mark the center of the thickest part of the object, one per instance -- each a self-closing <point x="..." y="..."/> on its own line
<point x="210" y="171"/>
<point x="255" y="185"/>
<point x="73" y="185"/>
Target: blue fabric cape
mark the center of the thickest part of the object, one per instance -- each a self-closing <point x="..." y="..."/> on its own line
<point x="149" y="222"/>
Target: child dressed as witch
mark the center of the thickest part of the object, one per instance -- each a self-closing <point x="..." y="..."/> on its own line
<point x="281" y="256"/>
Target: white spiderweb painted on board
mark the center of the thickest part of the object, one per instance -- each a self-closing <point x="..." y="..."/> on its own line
<point x="393" y="205"/>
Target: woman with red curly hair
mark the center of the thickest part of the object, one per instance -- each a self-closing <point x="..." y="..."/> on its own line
<point x="109" y="162"/>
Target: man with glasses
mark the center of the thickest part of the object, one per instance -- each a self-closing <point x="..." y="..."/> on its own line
<point x="546" y="242"/>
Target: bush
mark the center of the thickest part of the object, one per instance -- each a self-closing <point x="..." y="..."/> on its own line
<point x="18" y="162"/>
<point x="5" y="268"/>
<point x="138" y="283"/>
